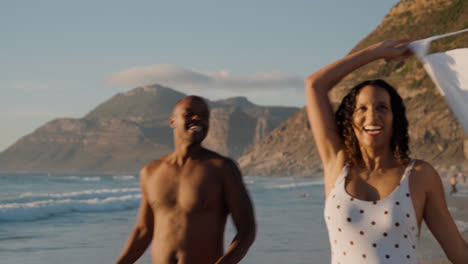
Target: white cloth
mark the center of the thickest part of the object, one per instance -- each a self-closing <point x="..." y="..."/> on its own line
<point x="374" y="232"/>
<point x="449" y="71"/>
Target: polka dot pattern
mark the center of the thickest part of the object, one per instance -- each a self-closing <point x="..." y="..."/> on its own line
<point x="376" y="231"/>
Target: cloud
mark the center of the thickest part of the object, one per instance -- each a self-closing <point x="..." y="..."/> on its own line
<point x="182" y="78"/>
<point x="27" y="86"/>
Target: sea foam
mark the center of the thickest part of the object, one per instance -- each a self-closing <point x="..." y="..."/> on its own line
<point x="39" y="206"/>
<point x="84" y="194"/>
<point x="123" y="177"/>
<point x="462" y="226"/>
<point x="295" y="184"/>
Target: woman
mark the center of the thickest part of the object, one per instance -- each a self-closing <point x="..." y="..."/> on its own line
<point x="376" y="196"/>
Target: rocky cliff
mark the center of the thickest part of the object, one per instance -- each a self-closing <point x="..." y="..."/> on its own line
<point x="131" y="129"/>
<point x="435" y="134"/>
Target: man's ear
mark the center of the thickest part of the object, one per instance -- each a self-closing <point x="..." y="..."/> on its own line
<point x="171" y="122"/>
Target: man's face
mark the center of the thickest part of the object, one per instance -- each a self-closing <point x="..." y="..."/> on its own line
<point x="190" y="120"/>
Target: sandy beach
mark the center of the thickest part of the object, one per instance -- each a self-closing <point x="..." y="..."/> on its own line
<point x="431" y="252"/>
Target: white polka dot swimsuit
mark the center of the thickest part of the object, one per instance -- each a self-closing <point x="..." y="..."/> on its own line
<point x="377" y="232"/>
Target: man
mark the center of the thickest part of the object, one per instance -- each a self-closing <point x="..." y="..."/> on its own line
<point x="453" y="183"/>
<point x="187" y="196"/>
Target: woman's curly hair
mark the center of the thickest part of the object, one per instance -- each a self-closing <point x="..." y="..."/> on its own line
<point x="344" y="120"/>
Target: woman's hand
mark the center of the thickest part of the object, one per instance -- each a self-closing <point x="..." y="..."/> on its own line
<point x="392" y="50"/>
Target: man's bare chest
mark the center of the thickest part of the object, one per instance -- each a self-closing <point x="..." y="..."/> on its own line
<point x="197" y="188"/>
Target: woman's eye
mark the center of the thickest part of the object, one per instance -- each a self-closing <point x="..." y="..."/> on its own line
<point x="383" y="107"/>
<point x="361" y="109"/>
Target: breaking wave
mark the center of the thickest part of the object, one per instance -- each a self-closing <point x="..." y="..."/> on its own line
<point x="29" y="206"/>
<point x="293" y="185"/>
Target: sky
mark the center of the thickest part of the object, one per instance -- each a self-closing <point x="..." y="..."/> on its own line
<point x="63" y="58"/>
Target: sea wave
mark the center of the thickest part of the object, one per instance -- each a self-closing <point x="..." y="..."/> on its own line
<point x="47" y="208"/>
<point x="91" y="178"/>
<point x="462" y="226"/>
<point x="246" y="181"/>
<point x="123" y="177"/>
<point x="83" y="194"/>
<point x="295" y="184"/>
<point x="76" y="178"/>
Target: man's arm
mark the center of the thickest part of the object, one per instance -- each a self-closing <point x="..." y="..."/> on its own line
<point x="142" y="234"/>
<point x="241" y="209"/>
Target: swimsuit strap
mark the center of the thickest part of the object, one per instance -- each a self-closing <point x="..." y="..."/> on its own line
<point x="408" y="170"/>
<point x="343" y="174"/>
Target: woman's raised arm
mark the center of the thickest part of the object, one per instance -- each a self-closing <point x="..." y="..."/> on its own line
<point x="319" y="110"/>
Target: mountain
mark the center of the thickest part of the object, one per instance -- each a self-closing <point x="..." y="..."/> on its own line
<point x="131" y="129"/>
<point x="435" y="135"/>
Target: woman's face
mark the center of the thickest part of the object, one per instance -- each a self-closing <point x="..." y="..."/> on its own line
<point x="373" y="117"/>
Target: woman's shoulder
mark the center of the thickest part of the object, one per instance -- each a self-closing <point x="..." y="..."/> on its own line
<point x="424" y="173"/>
<point x="423" y="166"/>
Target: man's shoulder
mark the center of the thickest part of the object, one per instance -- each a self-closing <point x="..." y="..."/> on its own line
<point x="153" y="166"/>
<point x="219" y="160"/>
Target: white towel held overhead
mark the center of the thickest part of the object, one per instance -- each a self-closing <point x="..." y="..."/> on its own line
<point x="449" y="71"/>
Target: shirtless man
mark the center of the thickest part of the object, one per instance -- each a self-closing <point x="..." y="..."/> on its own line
<point x="453" y="183"/>
<point x="186" y="198"/>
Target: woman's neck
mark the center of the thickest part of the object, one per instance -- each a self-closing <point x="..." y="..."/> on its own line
<point x="374" y="160"/>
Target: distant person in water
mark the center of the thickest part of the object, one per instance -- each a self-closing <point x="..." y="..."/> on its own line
<point x="187" y="197"/>
<point x="453" y="184"/>
<point x="376" y="195"/>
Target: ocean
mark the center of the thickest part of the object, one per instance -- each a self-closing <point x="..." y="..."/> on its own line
<point x="79" y="219"/>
